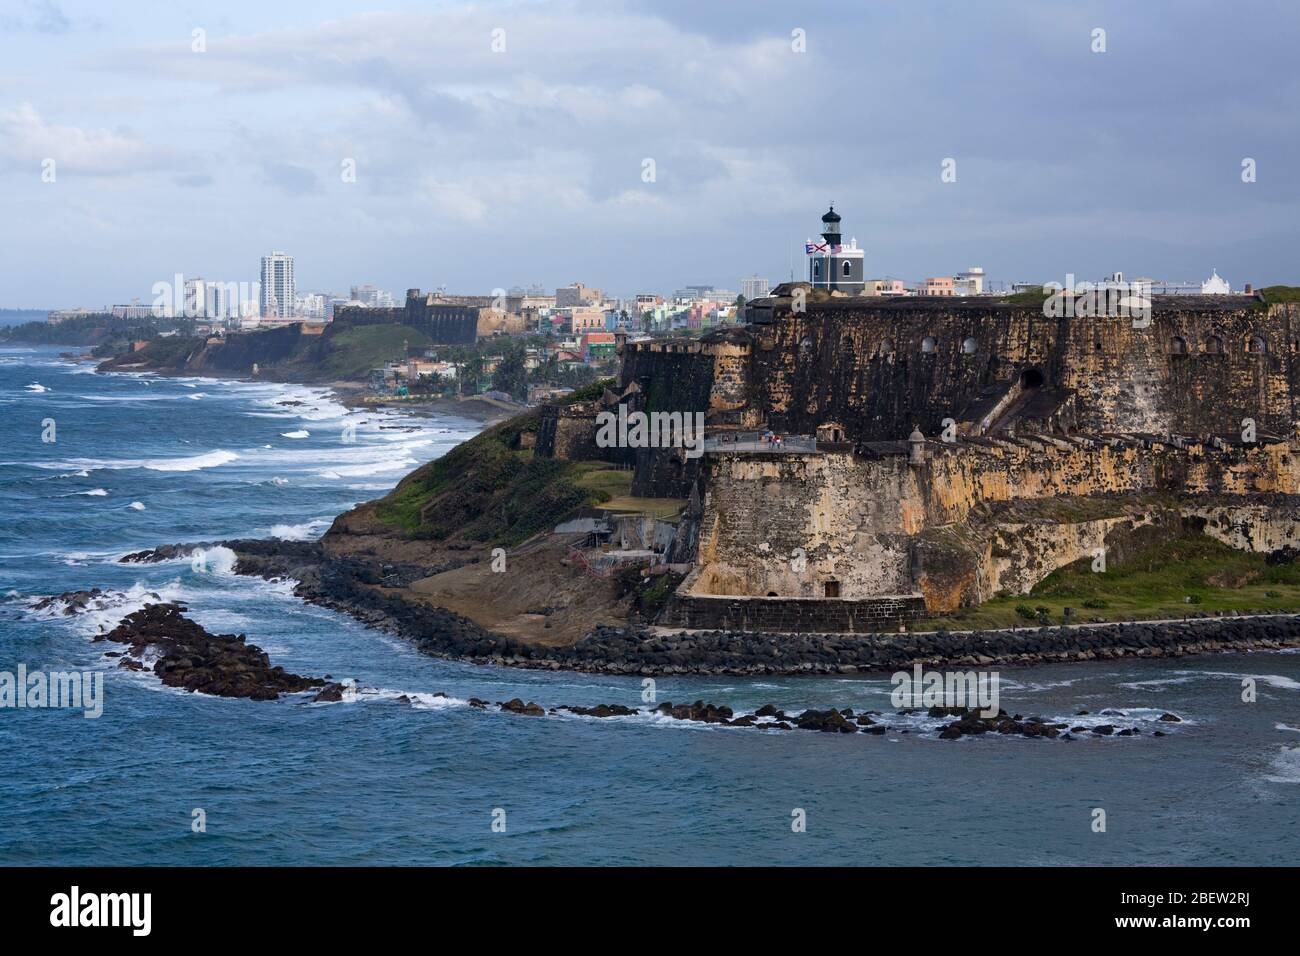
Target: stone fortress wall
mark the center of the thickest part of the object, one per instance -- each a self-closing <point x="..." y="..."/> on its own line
<point x="1061" y="433"/>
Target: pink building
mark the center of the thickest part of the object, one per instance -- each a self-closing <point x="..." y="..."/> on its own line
<point x="940" y="285"/>
<point x="587" y="319"/>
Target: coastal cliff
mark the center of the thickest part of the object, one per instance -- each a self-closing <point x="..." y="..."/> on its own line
<point x="290" y="353"/>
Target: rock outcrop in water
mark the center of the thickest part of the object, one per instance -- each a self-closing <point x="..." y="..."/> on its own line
<point x="190" y="657"/>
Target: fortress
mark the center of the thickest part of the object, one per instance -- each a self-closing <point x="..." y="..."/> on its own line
<point x="940" y="451"/>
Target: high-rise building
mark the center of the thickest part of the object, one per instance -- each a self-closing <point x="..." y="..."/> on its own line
<point x="207" y="299"/>
<point x="753" y="288"/>
<point x="279" y="290"/>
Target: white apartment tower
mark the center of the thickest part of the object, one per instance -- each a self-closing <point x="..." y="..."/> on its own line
<point x="279" y="290"/>
<point x="753" y="288"/>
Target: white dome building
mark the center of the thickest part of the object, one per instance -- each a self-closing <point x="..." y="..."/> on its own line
<point x="1214" y="285"/>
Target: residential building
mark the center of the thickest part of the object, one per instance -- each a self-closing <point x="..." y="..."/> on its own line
<point x="577" y="294"/>
<point x="279" y="290"/>
<point x="970" y="282"/>
<point x="938" y="285"/>
<point x="886" y="287"/>
<point x="753" y="288"/>
<point x="598" y="345"/>
<point x="586" y="318"/>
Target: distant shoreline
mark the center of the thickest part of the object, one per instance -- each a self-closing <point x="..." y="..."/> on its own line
<point x="350" y="394"/>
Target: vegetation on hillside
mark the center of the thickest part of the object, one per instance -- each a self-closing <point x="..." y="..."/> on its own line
<point x="489" y="490"/>
<point x="589" y="392"/>
<point x="1035" y="297"/>
<point x="170" y="352"/>
<point x="1275" y="294"/>
<point x="350" y="353"/>
<point x="109" y="332"/>
<point x="1159" y="575"/>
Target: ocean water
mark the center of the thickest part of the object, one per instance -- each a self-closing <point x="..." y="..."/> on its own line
<point x="141" y="461"/>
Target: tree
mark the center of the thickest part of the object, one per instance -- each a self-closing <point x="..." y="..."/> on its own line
<point x="471" y="373"/>
<point x="510" y="376"/>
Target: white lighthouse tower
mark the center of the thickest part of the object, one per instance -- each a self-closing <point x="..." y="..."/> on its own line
<point x="833" y="265"/>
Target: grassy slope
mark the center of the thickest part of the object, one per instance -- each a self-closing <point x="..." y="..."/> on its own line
<point x="1152" y="583"/>
<point x="164" y="353"/>
<point x="490" y="491"/>
<point x="352" y="353"/>
<point x="1275" y="294"/>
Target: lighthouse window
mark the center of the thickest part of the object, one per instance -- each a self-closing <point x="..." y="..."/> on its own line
<point x="1256" y="344"/>
<point x="928" y="344"/>
<point x="847" y="269"/>
<point x="1213" y="344"/>
<point x="1178" y="346"/>
<point x="969" y="346"/>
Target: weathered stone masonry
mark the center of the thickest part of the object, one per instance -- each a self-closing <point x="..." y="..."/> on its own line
<point x="1069" y="431"/>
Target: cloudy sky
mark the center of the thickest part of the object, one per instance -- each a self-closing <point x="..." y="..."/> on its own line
<point x="478" y="169"/>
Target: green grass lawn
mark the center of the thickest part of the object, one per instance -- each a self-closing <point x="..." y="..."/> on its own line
<point x="1153" y="583"/>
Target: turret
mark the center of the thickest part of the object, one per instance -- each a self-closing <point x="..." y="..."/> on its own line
<point x="916" y="449"/>
<point x="831" y="227"/>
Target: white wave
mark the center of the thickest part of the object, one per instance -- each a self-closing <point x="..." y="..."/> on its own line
<point x="104" y="611"/>
<point x="419" y="700"/>
<point x="210" y="459"/>
<point x="1280" y="726"/>
<point x="1157" y="684"/>
<point x="216" y="560"/>
<point x="1276" y="681"/>
<point x="136" y="506"/>
<point x="299" y="433"/>
<point x="130" y="398"/>
<point x="1285" y="766"/>
<point x="374" y="468"/>
<point x="307" y="531"/>
<point x="37" y="387"/>
<point x="93" y="493"/>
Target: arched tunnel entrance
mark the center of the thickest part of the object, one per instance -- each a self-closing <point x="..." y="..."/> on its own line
<point x="1031" y="378"/>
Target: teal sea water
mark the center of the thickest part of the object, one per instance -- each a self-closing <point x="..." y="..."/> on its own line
<point x="141" y="461"/>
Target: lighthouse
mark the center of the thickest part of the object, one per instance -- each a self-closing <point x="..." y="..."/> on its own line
<point x="831" y="263"/>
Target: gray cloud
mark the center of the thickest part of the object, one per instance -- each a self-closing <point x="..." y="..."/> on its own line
<point x="1066" y="159"/>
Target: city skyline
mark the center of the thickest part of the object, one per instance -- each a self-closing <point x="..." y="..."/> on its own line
<point x="329" y="134"/>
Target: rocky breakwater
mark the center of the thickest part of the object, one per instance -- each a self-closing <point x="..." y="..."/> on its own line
<point x="186" y="655"/>
<point x="370" y="591"/>
<point x="962" y="722"/>
<point x="632" y="651"/>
